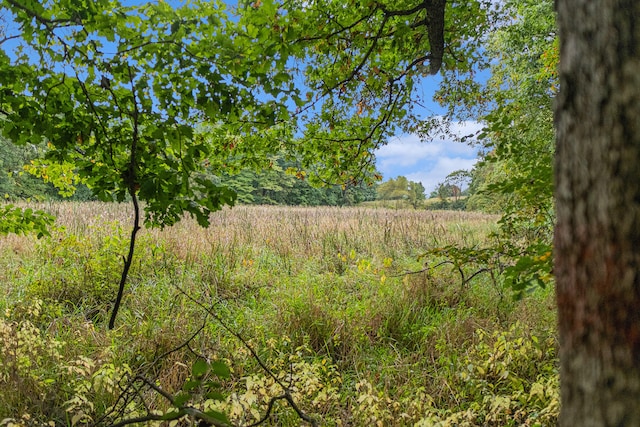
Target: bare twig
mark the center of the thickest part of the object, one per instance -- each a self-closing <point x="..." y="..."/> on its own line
<point x="341" y="30"/>
<point x="267" y="414"/>
<point x="183" y="410"/>
<point x="9" y="38"/>
<point x="125" y="395"/>
<point x="464" y="280"/>
<point x="287" y="393"/>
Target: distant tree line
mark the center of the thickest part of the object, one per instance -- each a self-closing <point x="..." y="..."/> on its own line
<point x="451" y="194"/>
<point x="282" y="184"/>
<point x="285" y="183"/>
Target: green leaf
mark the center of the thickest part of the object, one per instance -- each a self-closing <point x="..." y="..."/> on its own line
<point x="22" y="221"/>
<point x="215" y="395"/>
<point x="190" y="385"/>
<point x="199" y="368"/>
<point x="181" y="398"/>
<point x="220" y="369"/>
<point x="219" y="416"/>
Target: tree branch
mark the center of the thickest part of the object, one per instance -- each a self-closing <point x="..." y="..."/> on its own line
<point x="364" y="59"/>
<point x="287" y="393"/>
<point x="406" y="12"/>
<point x="183" y="410"/>
<point x="132" y="183"/>
<point x="40" y="18"/>
<point x="341" y="30"/>
<point x="9" y="38"/>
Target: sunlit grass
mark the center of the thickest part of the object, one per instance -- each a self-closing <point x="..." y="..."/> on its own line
<point x="326" y="288"/>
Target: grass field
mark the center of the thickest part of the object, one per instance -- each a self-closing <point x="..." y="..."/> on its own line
<point x="337" y="303"/>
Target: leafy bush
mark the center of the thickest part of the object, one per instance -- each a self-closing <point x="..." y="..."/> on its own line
<point x="83" y="271"/>
<point x="44" y="378"/>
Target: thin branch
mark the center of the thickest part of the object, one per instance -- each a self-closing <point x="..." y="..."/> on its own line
<point x="143" y="419"/>
<point x="341" y="30"/>
<point x="267" y="414"/>
<point x="464" y="280"/>
<point x="184" y="344"/>
<point x="157" y="389"/>
<point x="410" y="66"/>
<point x="407" y="273"/>
<point x="387" y="14"/>
<point x="9" y="38"/>
<point x="152" y="42"/>
<point x="482" y="270"/>
<point x="92" y="106"/>
<point x="40" y="18"/>
<point x="183" y="410"/>
<point x="364" y="59"/>
<point x="257" y="358"/>
<point x="46" y="96"/>
<point x="422" y="6"/>
<point x="132" y="183"/>
<point x="125" y="391"/>
<point x="234" y="333"/>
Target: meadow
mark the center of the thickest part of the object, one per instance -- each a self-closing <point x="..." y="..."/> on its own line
<point x="338" y="305"/>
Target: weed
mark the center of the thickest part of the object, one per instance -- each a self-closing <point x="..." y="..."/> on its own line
<point x="322" y="294"/>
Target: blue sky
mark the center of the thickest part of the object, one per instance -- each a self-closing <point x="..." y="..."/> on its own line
<point x="428" y="162"/>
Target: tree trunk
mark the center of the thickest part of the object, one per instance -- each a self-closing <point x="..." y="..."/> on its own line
<point x="597" y="239"/>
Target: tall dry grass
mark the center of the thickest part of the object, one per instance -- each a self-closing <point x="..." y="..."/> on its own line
<point x="321" y="289"/>
<point x="299" y="230"/>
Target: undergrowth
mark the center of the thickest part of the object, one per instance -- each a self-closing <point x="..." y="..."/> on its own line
<point x="337" y="303"/>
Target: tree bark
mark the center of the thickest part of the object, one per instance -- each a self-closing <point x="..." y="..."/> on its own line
<point x="597" y="239"/>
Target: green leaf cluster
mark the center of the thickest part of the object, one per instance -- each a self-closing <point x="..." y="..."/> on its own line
<point x="515" y="175"/>
<point x="519" y="136"/>
<point x="139" y="99"/>
<point x="201" y="385"/>
<point x="20" y="220"/>
<point x="362" y="63"/>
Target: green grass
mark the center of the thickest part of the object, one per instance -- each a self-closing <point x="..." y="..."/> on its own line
<point x="321" y="294"/>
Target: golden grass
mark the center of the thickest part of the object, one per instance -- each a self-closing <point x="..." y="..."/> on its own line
<point x="308" y="283"/>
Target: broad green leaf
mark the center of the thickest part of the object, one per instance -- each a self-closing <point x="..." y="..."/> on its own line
<point x="199" y="368"/>
<point x="220" y="369"/>
<point x="181" y="399"/>
<point x="219" y="416"/>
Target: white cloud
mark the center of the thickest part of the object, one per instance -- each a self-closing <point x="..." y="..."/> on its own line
<point x="466" y="128"/>
<point x="405" y="151"/>
<point x="427" y="162"/>
<point x="443" y="167"/>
